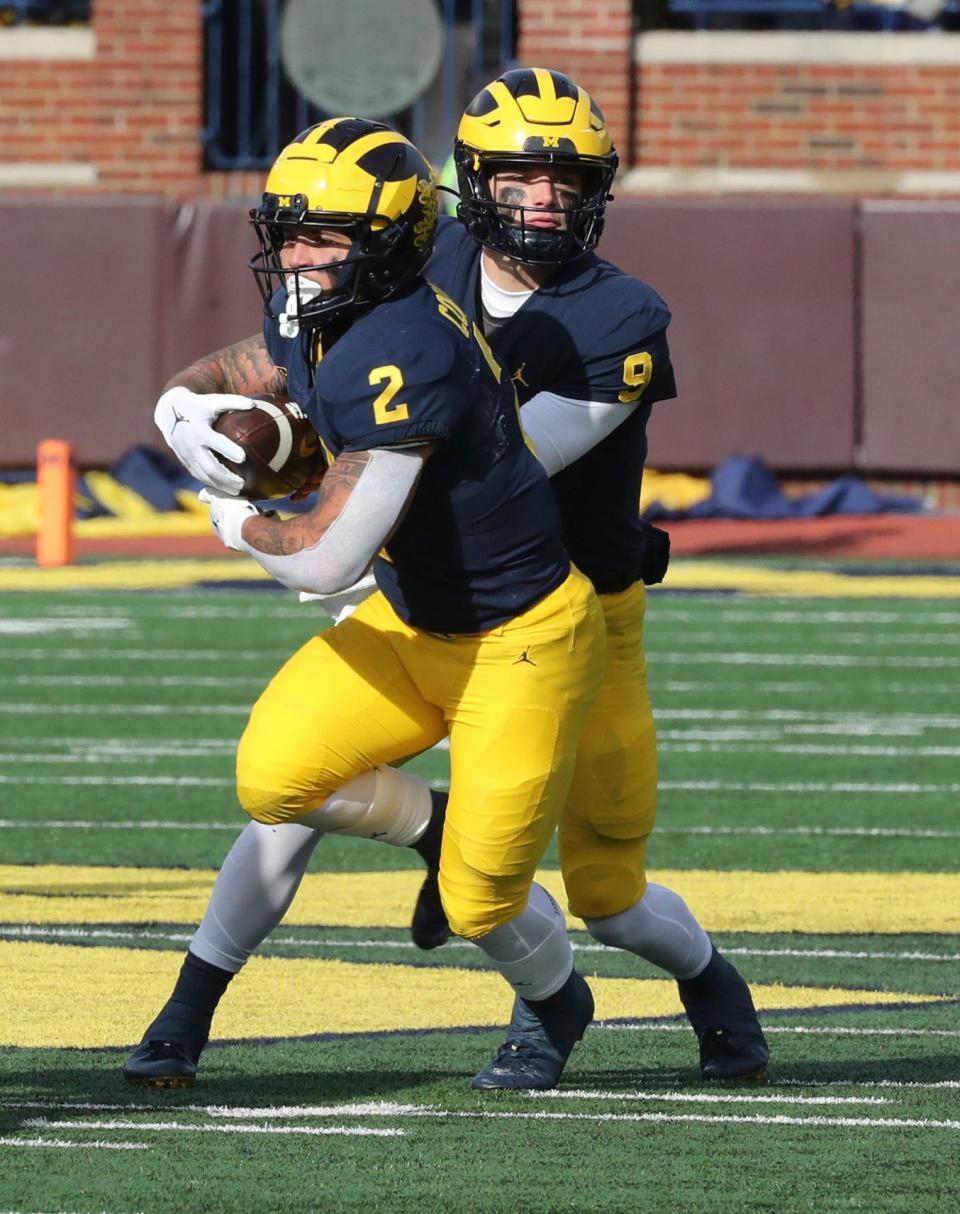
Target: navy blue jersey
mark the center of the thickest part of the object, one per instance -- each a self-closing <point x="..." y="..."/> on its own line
<point x="480" y="542"/>
<point x="592" y="333"/>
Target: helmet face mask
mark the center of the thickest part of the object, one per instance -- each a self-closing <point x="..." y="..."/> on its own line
<point x="531" y="119"/>
<point x="511" y="228"/>
<point x="353" y="176"/>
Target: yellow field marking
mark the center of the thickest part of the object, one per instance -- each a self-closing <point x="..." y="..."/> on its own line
<point x="684" y="575"/>
<point x="133" y="575"/>
<point x="707" y="575"/>
<point x="723" y="901"/>
<point x="65" y="995"/>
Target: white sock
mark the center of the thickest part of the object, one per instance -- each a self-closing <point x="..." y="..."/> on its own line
<point x="384" y="804"/>
<point x="532" y="951"/>
<point x="660" y="929"/>
<point x="258" y="881"/>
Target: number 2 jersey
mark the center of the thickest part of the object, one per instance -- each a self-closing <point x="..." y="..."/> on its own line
<point x="591" y="333"/>
<point x="481" y="540"/>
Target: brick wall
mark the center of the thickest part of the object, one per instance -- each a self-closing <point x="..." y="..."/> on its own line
<point x="590" y="40"/>
<point x="114" y="109"/>
<point x="799" y="116"/>
<point x="119" y="108"/>
<point x="859" y="113"/>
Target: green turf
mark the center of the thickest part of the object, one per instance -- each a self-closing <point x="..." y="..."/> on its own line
<point x="462" y="1151"/>
<point x="795" y="734"/>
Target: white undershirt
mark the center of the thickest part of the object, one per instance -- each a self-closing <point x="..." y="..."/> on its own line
<point x="560" y="427"/>
<point x="498" y="302"/>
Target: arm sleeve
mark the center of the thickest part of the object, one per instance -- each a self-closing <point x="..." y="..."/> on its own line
<point x="563" y="429"/>
<point x="358" y="533"/>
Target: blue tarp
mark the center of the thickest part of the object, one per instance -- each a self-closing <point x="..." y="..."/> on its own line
<point x="743" y="487"/>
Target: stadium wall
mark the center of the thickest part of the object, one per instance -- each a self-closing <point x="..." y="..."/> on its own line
<point x="817" y="333"/>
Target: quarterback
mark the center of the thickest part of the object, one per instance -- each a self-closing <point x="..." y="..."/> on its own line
<point x="586" y="346"/>
<point x="431" y="483"/>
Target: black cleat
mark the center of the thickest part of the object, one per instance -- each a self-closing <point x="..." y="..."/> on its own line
<point x="719" y="1006"/>
<point x="539" y="1040"/>
<point x="430" y="927"/>
<point x="161" y="1064"/>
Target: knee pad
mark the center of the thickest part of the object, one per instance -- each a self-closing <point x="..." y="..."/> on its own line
<point x="274" y="806"/>
<point x="595" y="891"/>
<point x="478" y="907"/>
<point x="271" y="786"/>
<point x="384" y="804"/>
<point x="603" y="875"/>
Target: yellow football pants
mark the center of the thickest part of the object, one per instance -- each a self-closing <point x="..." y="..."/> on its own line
<point x="613" y="794"/>
<point x="374" y="690"/>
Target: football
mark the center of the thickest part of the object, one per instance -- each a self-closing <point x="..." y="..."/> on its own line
<point x="282" y="448"/>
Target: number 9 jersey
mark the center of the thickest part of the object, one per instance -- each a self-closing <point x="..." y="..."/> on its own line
<point x="590" y="333"/>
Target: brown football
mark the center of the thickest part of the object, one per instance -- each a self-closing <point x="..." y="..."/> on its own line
<point x="282" y="448"/>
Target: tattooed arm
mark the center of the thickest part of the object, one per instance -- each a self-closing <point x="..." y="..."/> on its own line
<point x="244" y="368"/>
<point x="193" y="399"/>
<point x="360" y="503"/>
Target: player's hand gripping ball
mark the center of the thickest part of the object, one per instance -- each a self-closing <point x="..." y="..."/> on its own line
<point x="282" y="449"/>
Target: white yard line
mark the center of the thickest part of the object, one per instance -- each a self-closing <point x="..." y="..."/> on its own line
<point x="162" y="1127"/>
<point x="95" y="755"/>
<point x="707" y="1097"/>
<point x="110" y="680"/>
<point x="143" y="824"/>
<point x="95" y="1145"/>
<point x="799" y="787"/>
<point x="799" y="1030"/>
<point x="26" y="708"/>
<point x="673" y="612"/>
<point x="735" y="746"/>
<point x="40" y="931"/>
<point x="698" y="687"/>
<point x="860" y="832"/>
<point x="116" y="781"/>
<point x="857" y="832"/>
<point x="882" y="1123"/>
<point x="259" y="1120"/>
<point x="748" y="658"/>
<point x="836" y="637"/>
<point x="852" y="717"/>
<point x="55" y="653"/>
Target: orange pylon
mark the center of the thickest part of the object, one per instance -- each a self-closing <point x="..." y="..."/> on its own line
<point x="55" y="482"/>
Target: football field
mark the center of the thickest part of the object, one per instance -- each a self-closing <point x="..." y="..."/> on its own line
<point x="810" y="785"/>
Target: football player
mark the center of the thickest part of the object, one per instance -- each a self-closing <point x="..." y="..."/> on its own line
<point x="586" y="347"/>
<point x="480" y="629"/>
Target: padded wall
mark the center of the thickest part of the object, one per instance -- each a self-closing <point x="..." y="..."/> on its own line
<point x="911" y="349"/>
<point x="763" y="299"/>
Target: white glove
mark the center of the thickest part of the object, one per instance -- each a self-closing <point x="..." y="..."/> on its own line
<point x="185" y="419"/>
<point x="227" y="516"/>
<point x="343" y="603"/>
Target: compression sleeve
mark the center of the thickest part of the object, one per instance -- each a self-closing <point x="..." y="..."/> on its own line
<point x="357" y="534"/>
<point x="563" y="429"/>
